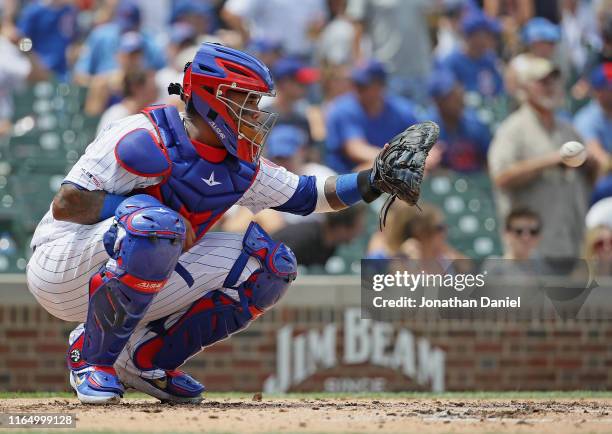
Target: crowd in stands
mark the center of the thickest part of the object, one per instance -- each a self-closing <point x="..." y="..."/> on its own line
<point x="507" y="81"/>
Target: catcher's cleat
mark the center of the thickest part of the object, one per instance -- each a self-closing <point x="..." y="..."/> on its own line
<point x="176" y="387"/>
<point x="96" y="385"/>
<point x="92" y="384"/>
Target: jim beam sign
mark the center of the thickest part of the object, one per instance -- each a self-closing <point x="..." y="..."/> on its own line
<point x="365" y="341"/>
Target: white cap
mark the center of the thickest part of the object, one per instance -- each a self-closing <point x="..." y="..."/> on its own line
<point x="532" y="68"/>
<point x="600" y="214"/>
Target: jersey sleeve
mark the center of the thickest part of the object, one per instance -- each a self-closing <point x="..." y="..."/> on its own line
<point x="242" y="8"/>
<point x="505" y="149"/>
<point x="98" y="168"/>
<point x="85" y="61"/>
<point x="357" y="9"/>
<point x="586" y="125"/>
<point x="25" y="23"/>
<point x="275" y="187"/>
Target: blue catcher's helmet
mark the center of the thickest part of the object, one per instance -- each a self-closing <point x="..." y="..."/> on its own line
<point x="217" y="69"/>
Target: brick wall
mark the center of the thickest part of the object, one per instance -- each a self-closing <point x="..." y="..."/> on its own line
<point x="483" y="355"/>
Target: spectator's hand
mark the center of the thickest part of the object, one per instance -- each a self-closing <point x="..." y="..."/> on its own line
<point x="411" y="248"/>
<point x="11" y="32"/>
<point x="592" y="167"/>
<point x="554" y="159"/>
<point x="434" y="158"/>
<point x="591" y="160"/>
<point x="580" y="90"/>
<point x="5" y="127"/>
<point x="231" y="38"/>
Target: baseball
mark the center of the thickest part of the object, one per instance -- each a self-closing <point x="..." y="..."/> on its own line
<point x="573" y="154"/>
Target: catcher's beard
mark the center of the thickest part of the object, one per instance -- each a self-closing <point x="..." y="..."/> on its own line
<point x="250" y="133"/>
<point x="254" y="139"/>
<point x="255" y="132"/>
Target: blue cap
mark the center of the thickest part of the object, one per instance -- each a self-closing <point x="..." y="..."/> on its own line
<point x="540" y="29"/>
<point x="181" y="32"/>
<point x="453" y="5"/>
<point x="601" y="77"/>
<point x="441" y="83"/>
<point x="191" y="7"/>
<point x="284" y="141"/>
<point x="127" y="15"/>
<point x="290" y="67"/>
<point x="131" y="42"/>
<point x="475" y="21"/>
<point x="369" y="71"/>
<point x="263" y="45"/>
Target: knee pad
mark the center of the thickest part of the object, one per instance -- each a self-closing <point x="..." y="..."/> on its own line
<point x="144" y="243"/>
<point x="146" y="239"/>
<point x="270" y="282"/>
<point x="215" y="316"/>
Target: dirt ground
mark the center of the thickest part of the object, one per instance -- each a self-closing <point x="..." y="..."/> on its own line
<point x="272" y="415"/>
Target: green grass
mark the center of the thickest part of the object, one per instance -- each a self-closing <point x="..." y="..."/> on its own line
<point x="575" y="394"/>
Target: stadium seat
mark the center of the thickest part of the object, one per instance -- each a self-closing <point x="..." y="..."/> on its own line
<point x="50" y="133"/>
<point x="467" y="203"/>
<point x="35" y="193"/>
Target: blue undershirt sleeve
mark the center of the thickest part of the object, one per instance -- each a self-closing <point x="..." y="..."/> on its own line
<point x="304" y="199"/>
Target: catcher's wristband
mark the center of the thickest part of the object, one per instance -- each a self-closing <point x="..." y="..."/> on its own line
<point x="346" y="190"/>
<point x="368" y="192"/>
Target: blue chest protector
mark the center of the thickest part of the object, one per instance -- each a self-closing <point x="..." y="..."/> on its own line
<point x="199" y="187"/>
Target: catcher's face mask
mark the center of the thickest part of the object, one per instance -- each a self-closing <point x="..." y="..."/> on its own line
<point x="253" y="124"/>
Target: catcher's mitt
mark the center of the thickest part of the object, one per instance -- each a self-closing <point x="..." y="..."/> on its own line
<point x="398" y="169"/>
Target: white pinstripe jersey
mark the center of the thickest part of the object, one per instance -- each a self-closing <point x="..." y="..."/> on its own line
<point x="97" y="169"/>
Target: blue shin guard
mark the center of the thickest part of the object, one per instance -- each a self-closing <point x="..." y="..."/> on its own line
<point x="215" y="316"/>
<point x="144" y="244"/>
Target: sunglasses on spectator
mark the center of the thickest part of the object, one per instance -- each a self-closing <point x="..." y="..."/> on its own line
<point x="518" y="231"/>
<point x="440" y="227"/>
<point x="602" y="244"/>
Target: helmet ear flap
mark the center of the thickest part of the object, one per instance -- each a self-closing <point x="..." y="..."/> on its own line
<point x="186" y="88"/>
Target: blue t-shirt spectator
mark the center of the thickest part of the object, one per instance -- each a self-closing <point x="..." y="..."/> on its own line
<point x="464" y="149"/>
<point x="480" y="75"/>
<point x="592" y="121"/>
<point x="602" y="189"/>
<point x="51" y="29"/>
<point x="346" y="120"/>
<point x="593" y="124"/>
<point x="98" y="55"/>
<point x="464" y="139"/>
<point x="479" y="71"/>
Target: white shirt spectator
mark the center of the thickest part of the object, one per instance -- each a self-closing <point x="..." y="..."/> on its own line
<point x="397" y="30"/>
<point x="14" y="71"/>
<point x="579" y="31"/>
<point x="336" y="42"/>
<point x="112" y="114"/>
<point x="287" y="21"/>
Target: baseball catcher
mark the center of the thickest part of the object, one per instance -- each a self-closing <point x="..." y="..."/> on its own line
<point x="126" y="249"/>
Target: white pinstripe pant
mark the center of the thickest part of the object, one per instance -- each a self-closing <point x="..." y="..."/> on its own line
<point x="58" y="274"/>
